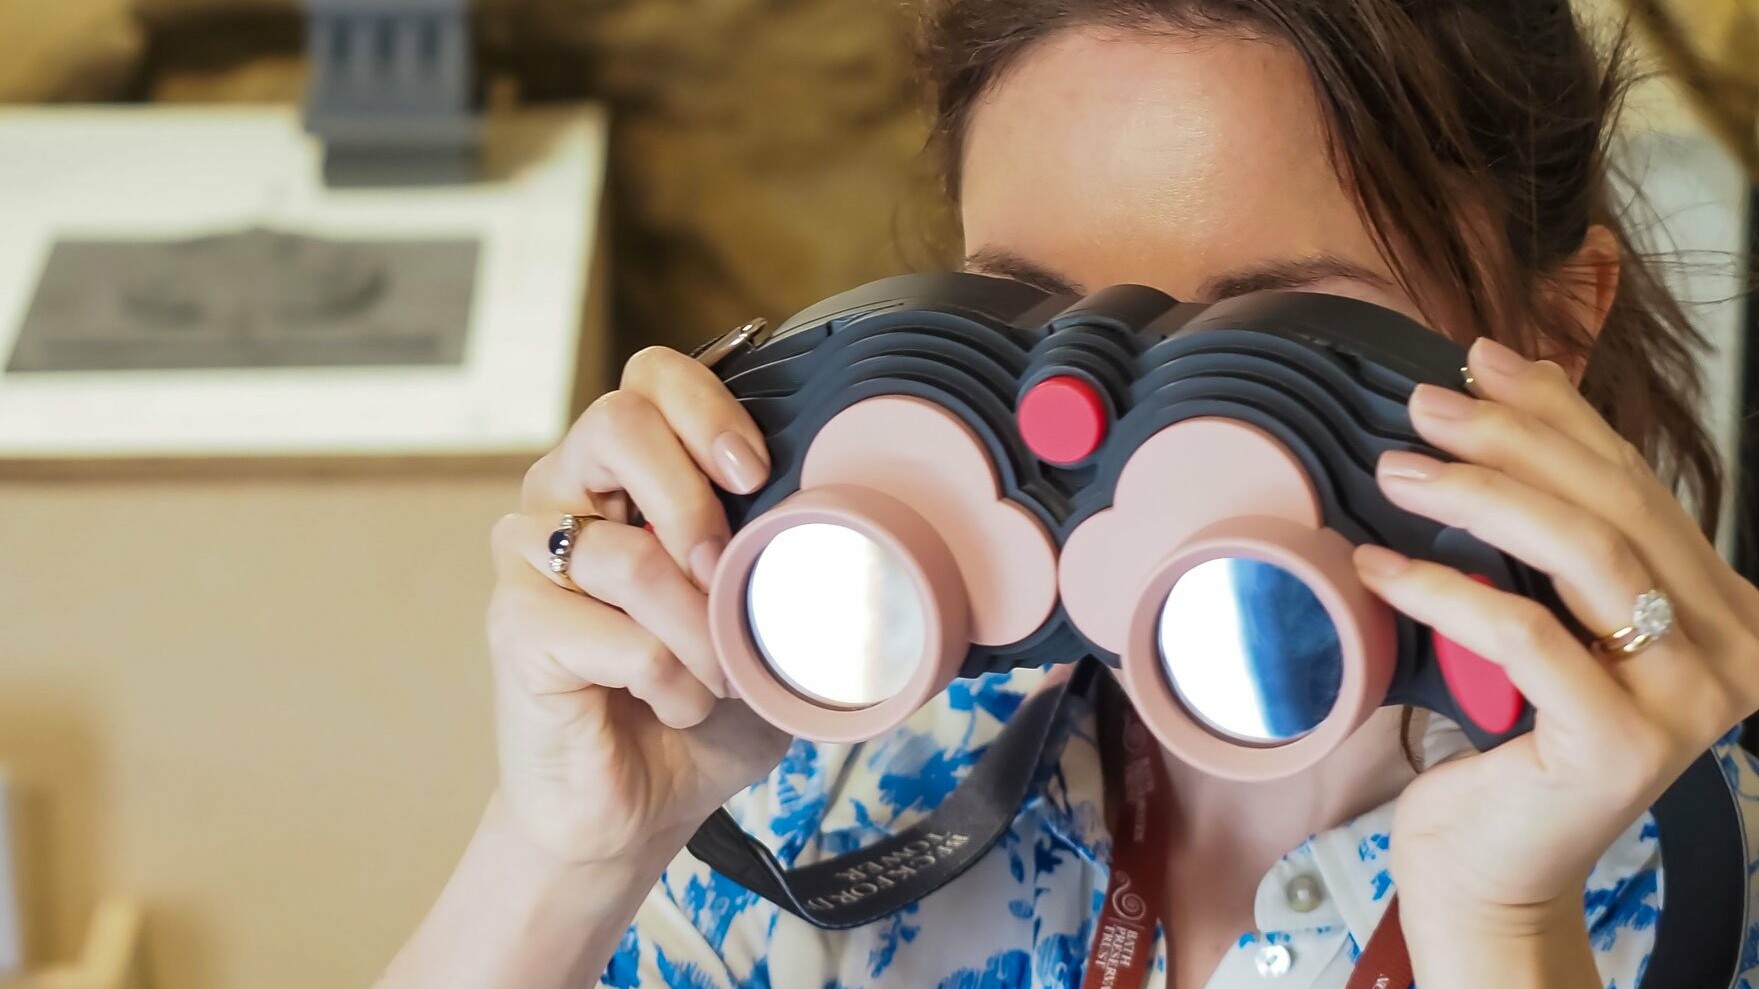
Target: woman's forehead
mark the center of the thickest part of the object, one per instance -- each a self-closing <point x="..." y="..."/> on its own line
<point x="1163" y="160"/>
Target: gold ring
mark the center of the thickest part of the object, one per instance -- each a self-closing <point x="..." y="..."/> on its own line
<point x="563" y="539"/>
<point x="1651" y="618"/>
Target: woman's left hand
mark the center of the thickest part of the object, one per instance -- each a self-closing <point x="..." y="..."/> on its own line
<point x="1542" y="477"/>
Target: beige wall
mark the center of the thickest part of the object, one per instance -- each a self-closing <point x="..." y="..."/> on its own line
<point x="259" y="705"/>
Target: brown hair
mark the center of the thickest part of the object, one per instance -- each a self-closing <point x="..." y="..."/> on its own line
<point x="1474" y="134"/>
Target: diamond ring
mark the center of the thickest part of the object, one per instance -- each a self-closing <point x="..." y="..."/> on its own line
<point x="1651" y="618"/>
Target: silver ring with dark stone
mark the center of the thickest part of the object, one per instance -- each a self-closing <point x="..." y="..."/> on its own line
<point x="563" y="539"/>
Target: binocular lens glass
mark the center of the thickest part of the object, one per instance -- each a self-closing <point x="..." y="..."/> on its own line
<point x="835" y="615"/>
<point x="1250" y="650"/>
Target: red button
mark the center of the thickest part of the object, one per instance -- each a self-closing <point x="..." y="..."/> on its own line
<point x="1062" y="419"/>
<point x="1479" y="686"/>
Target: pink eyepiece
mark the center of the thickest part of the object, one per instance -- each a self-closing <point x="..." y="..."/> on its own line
<point x="838" y="613"/>
<point x="1207" y="660"/>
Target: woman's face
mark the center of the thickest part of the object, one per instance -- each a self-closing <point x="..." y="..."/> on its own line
<point x="1196" y="166"/>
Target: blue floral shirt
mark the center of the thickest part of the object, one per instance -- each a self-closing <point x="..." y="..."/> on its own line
<point x="1023" y="915"/>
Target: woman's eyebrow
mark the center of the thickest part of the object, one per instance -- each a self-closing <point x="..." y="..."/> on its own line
<point x="1287" y="273"/>
<point x="1007" y="264"/>
<point x="1262" y="276"/>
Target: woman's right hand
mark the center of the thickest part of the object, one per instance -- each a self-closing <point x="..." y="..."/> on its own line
<point x="613" y="731"/>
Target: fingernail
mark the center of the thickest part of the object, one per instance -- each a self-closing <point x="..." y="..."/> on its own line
<point x="1497" y="357"/>
<point x="1442" y="403"/>
<point x="702" y="560"/>
<point x="1408" y="466"/>
<point x="1378" y="561"/>
<point x="744" y="469"/>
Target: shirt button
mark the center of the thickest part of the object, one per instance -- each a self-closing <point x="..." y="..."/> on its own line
<point x="1274" y="960"/>
<point x="1304" y="894"/>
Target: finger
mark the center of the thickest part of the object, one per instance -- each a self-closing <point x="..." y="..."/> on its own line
<point x="622" y="443"/>
<point x="548" y="488"/>
<point x="627" y="569"/>
<point x="1543" y="390"/>
<point x="560" y="642"/>
<point x="1592" y="563"/>
<point x="1624" y="494"/>
<point x="713" y="426"/>
<point x="1555" y="672"/>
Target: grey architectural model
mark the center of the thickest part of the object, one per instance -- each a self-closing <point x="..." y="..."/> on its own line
<point x="391" y="95"/>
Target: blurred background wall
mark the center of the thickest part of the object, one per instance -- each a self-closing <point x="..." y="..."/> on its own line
<point x="259" y="703"/>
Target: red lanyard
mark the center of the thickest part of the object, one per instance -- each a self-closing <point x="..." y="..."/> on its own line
<point x="1138" y="798"/>
<point x="1137" y="794"/>
<point x="1385" y="964"/>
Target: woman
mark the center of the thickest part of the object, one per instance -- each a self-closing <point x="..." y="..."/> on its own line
<point x="1444" y="158"/>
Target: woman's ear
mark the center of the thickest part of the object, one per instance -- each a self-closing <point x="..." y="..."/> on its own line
<point x="1586" y="284"/>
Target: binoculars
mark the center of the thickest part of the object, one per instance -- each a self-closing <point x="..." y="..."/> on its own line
<point x="972" y="475"/>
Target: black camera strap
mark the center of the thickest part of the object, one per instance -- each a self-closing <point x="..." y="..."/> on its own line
<point x="864" y="885"/>
<point x="1698" y="939"/>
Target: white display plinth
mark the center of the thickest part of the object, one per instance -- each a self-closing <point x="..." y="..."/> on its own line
<point x="536" y="340"/>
